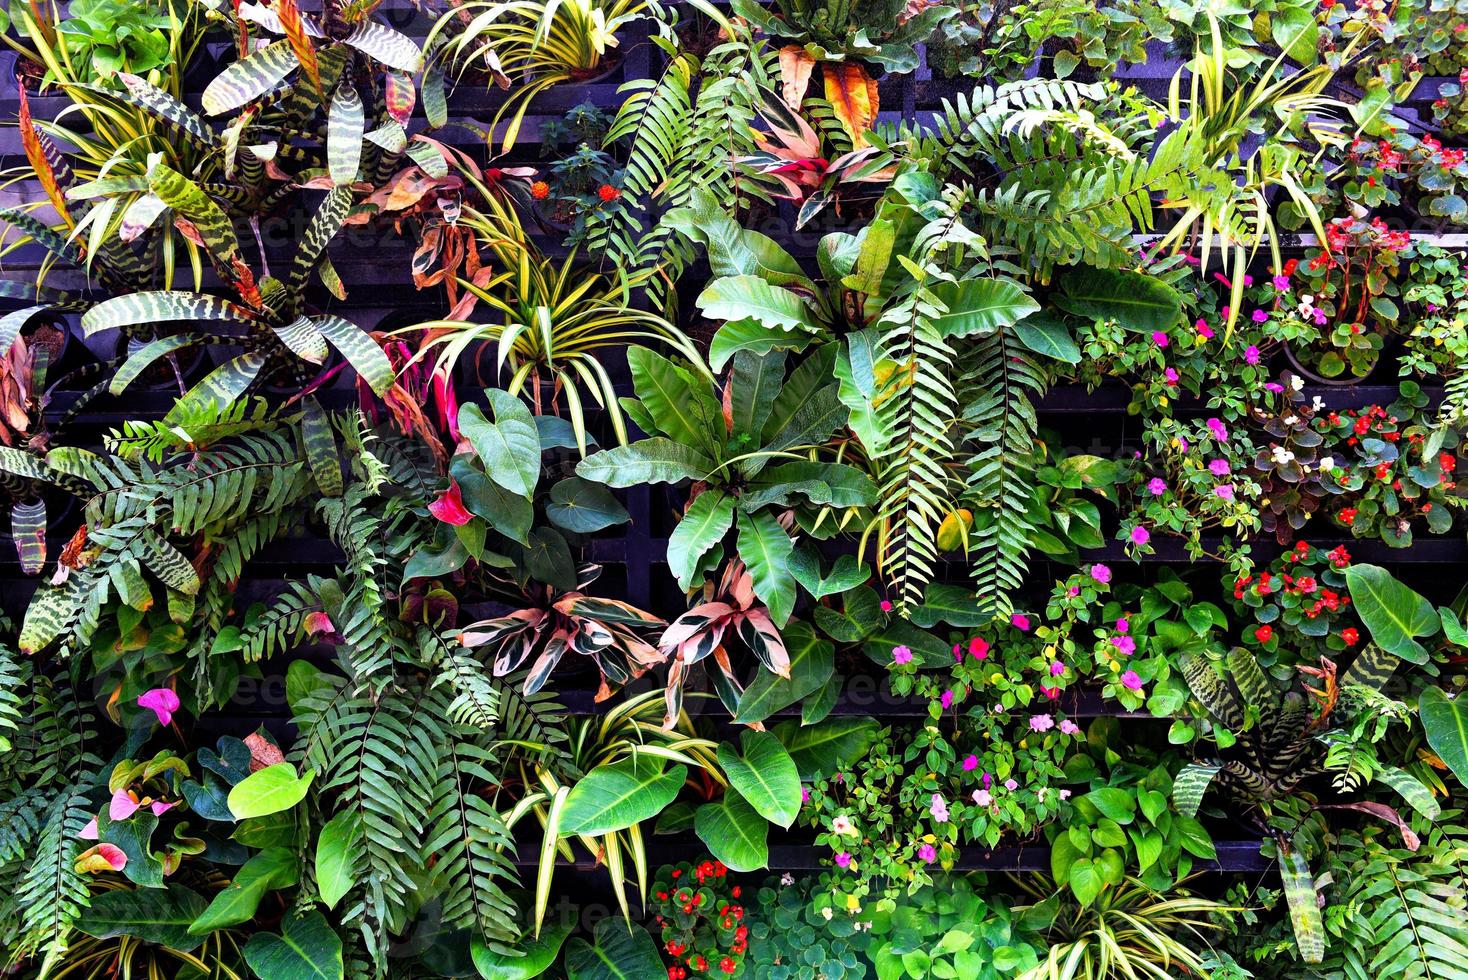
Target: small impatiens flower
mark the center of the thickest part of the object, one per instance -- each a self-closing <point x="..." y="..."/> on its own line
<point x="1224" y="491"/>
<point x="1204" y="330"/>
<point x="979" y="647"/>
<point x="1159" y="338"/>
<point x="1131" y="681"/>
<point x="1219" y="467"/>
<point x="843" y="825"/>
<point x="1140" y="535"/>
<point x="449" y="506"/>
<point x="1020" y="622"/>
<point x="1057" y="668"/>
<point x="901" y="655"/>
<point x="103" y="857"/>
<point x="987" y="780"/>
<point x="1011" y="785"/>
<point x="1251" y="354"/>
<point x="886" y="605"/>
<point x="1069" y="727"/>
<point x="1051" y="693"/>
<point x="1157" y="486"/>
<point x="1041" y="723"/>
<point x="1170" y="376"/>
<point x="983" y="797"/>
<point x="1123" y="625"/>
<point x="927" y="853"/>
<point x="946" y="700"/>
<point x="1125" y="645"/>
<point x="1065" y="794"/>
<point x="162" y="701"/>
<point x="970" y="763"/>
<point x="1259" y="316"/>
<point x="1281" y="282"/>
<point x="843" y="859"/>
<point x="1219" y="430"/>
<point x="1101" y="573"/>
<point x="805" y="794"/>
<point x="938" y="807"/>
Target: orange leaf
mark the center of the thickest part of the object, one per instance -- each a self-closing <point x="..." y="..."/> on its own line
<point x="796" y="65"/>
<point x="295" y="32"/>
<point x="854" y="97"/>
<point x="44" y="158"/>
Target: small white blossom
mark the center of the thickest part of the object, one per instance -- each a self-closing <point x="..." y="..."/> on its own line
<point x="1327" y="463"/>
<point x="1291" y="419"/>
<point x="1297" y="382"/>
<point x="1281" y="455"/>
<point x="827" y="913"/>
<point x="787" y="879"/>
<point x="1317" y="403"/>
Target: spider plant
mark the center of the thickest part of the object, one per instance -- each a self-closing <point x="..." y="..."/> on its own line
<point x="554" y="321"/>
<point x="1130" y="931"/>
<point x="536" y="43"/>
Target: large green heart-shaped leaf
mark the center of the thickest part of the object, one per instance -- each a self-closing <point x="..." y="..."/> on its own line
<point x="752" y="298"/>
<point x="306" y="949"/>
<point x="623" y="951"/>
<point x="616" y="796"/>
<point x="1136" y="301"/>
<point x="269" y="790"/>
<point x="734" y="832"/>
<point x="160" y="916"/>
<point x="584" y="507"/>
<point x="536" y="956"/>
<point x="765" y="775"/>
<point x="1446" y="722"/>
<point x="1394" y="613"/>
<point x="812" y="660"/>
<point x="272" y="868"/>
<point x="509" y="446"/>
<point x="827" y="747"/>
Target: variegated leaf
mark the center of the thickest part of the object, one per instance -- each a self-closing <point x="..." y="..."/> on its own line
<point x="140" y="216"/>
<point x="50" y="610"/>
<point x="106" y="187"/>
<point x="304" y="340"/>
<point x="256" y="13"/>
<point x="177" y="117"/>
<point x="249" y="78"/>
<point x="46" y="161"/>
<point x="214" y="227"/>
<point x="345" y="124"/>
<point x="44" y="236"/>
<point x="386" y="46"/>
<point x="390" y="136"/>
<point x="169" y="564"/>
<point x="223" y="386"/>
<point x="144" y="357"/>
<point x="399" y="96"/>
<point x="29" y="466"/>
<point x="28" y="527"/>
<point x="325" y="223"/>
<point x="1300" y="896"/>
<point x="12" y="323"/>
<point x="321" y="451"/>
<point x="161" y="306"/>
<point x="360" y="350"/>
<point x="293" y="26"/>
<point x="1190" y="786"/>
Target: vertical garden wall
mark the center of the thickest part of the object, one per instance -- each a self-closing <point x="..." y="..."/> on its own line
<point x="600" y="489"/>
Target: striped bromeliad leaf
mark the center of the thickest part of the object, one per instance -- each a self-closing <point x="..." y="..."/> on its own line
<point x="345" y="123"/>
<point x="144" y="357"/>
<point x="325" y="223"/>
<point x="249" y="78"/>
<point x="321" y="450"/>
<point x="28" y="527"/>
<point x="11" y="325"/>
<point x="186" y="198"/>
<point x="57" y="300"/>
<point x="303" y="339"/>
<point x="386" y="46"/>
<point x="140" y="215"/>
<point x="29" y="466"/>
<point x="1190" y="786"/>
<point x="43" y="235"/>
<point x="223" y="386"/>
<point x="49" y="165"/>
<point x="359" y="349"/>
<point x="1299" y="889"/>
<point x="267" y="18"/>
<point x="161" y="306"/>
<point x="168" y="563"/>
<point x="399" y="96"/>
<point x="179" y="119"/>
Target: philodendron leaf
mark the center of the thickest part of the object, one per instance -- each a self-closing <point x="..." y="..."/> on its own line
<point x="584" y="507"/>
<point x="336" y="854"/>
<point x="306" y="949"/>
<point x="734" y="832"/>
<point x="272" y="868"/>
<point x="616" y="796"/>
<point x="827" y="747"/>
<point x="812" y="659"/>
<point x="160" y="916"/>
<point x="270" y="790"/>
<point x="623" y="951"/>
<point x="1394" y="613"/>
<point x="1446" y="722"/>
<point x="765" y="775"/>
<point x="509" y="446"/>
<point x="536" y="955"/>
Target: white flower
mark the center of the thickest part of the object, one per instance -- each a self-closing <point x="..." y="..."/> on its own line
<point x="1291" y="419"/>
<point x="843" y="825"/>
<point x="1327" y="463"/>
<point x="1317" y="403"/>
<point x="787" y="879"/>
<point x="827" y="913"/>
<point x="1297" y="382"/>
<point x="1307" y="305"/>
<point x="1281" y="455"/>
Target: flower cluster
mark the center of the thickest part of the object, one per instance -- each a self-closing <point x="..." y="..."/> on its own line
<point x="703" y="931"/>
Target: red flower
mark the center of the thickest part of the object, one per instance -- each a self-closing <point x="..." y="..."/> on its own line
<point x="449" y="507"/>
<point x="608" y="193"/>
<point x="727" y="965"/>
<point x="1349" y="636"/>
<point x="1264" y="633"/>
<point x="540" y="190"/>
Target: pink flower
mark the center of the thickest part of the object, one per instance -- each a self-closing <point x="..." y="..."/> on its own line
<point x="987" y="780"/>
<point x="1218" y="467"/>
<point x="979" y="647"/>
<point x="886" y="605"/>
<point x="159" y="807"/>
<point x="90" y="832"/>
<point x="1140" y="535"/>
<point x="1204" y="330"/>
<point x="1281" y="282"/>
<point x="1020" y="622"/>
<point x="927" y="853"/>
<point x="939" y="808"/>
<point x="1123" y="625"/>
<point x="1011" y="785"/>
<point x="1131" y="681"/>
<point x="946" y="700"/>
<point x="161" y="701"/>
<point x="843" y="859"/>
<point x="983" y="797"/>
<point x="1170" y="376"/>
<point x="971" y="763"/>
<point x="122" y="806"/>
<point x="449" y="507"/>
<point x="1051" y="693"/>
<point x="1069" y="727"/>
<point x="1159" y="338"/>
<point x="1224" y="492"/>
<point x="1041" y="723"/>
<point x="1251" y="354"/>
<point x="1219" y="430"/>
<point x="1065" y="794"/>
<point x="1157" y="486"/>
<point x="1057" y="668"/>
<point x="103" y="857"/>
<point x="1125" y="645"/>
<point x="901" y="655"/>
<point x="1101" y="573"/>
<point x="805" y="794"/>
<point x="1259" y="316"/>
<point x="957" y="651"/>
<point x="1074" y="590"/>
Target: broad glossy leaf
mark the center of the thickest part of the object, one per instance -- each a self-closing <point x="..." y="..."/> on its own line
<point x="618" y="795"/>
<point x="752" y="298"/>
<point x="734" y="832"/>
<point x="509" y="446"/>
<point x="272" y="868"/>
<point x="386" y="46"/>
<point x="707" y="520"/>
<point x="137" y="309"/>
<point x="221" y="388"/>
<point x="336" y="854"/>
<point x="306" y="949"/>
<point x="678" y="401"/>
<point x="655" y="460"/>
<point x="537" y="955"/>
<point x="249" y="78"/>
<point x="949" y="604"/>
<point x="160" y="916"/>
<point x="827" y="747"/>
<point x="765" y="547"/>
<point x="753" y="385"/>
<point x="812" y="659"/>
<point x="981" y="306"/>
<point x="623" y="951"/>
<point x="345" y="123"/>
<point x="1048" y="336"/>
<point x="584" y="507"/>
<point x="847" y="573"/>
<point x="1394" y="613"/>
<point x="765" y="775"/>
<point x="1136" y="301"/>
<point x="1445" y="720"/>
<point x="752" y="337"/>
<point x="269" y="790"/>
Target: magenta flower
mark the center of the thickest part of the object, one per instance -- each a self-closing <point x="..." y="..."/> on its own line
<point x="1204" y="330"/>
<point x="886" y="605"/>
<point x="979" y="647"/>
<point x="1057" y="668"/>
<point x="1224" y="492"/>
<point x="1041" y="723"/>
<point x="1051" y="693"/>
<point x="1140" y="535"/>
<point x="927" y="853"/>
<point x="1074" y="590"/>
<point x="957" y="652"/>
<point x="1219" y="430"/>
<point x="971" y="763"/>
<point x="901" y="655"/>
<point x="843" y="859"/>
<point x="122" y="805"/>
<point x="1069" y="727"/>
<point x="1125" y="645"/>
<point x="1281" y="282"/>
<point x="1159" y="338"/>
<point x="161" y="701"/>
<point x="946" y="700"/>
<point x="1251" y="354"/>
<point x="1170" y="376"/>
<point x="1131" y="681"/>
<point x="1020" y="622"/>
<point x="805" y="794"/>
<point x="987" y="780"/>
<point x="1259" y="316"/>
<point x="1101" y="573"/>
<point x="1123" y="625"/>
<point x="1218" y="467"/>
<point x="1157" y="486"/>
